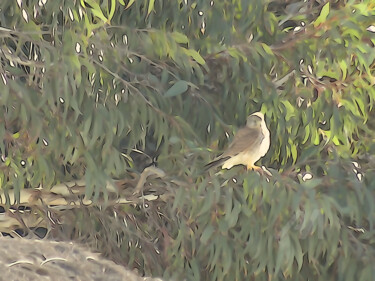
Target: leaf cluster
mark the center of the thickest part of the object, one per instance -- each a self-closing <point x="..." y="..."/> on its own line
<point x="99" y="90"/>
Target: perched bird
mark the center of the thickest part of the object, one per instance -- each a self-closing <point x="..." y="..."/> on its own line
<point x="249" y="145"/>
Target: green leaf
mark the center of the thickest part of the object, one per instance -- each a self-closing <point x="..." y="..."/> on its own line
<point x="323" y="15"/>
<point x="195" y="55"/>
<point x="344" y="68"/>
<point x="293" y="150"/>
<point x="96" y="10"/>
<point x="267" y="49"/>
<point x="232" y="217"/>
<point x="361" y="105"/>
<point x="150" y="6"/>
<point x="207" y="233"/>
<point x="112" y="11"/>
<point x="178" y="88"/>
<point x="307" y="134"/>
<point x="179" y="37"/>
<point x="129" y="4"/>
<point x="297" y="251"/>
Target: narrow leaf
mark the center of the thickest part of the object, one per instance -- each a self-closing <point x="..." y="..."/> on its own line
<point x="179" y="37"/>
<point x="207" y="234"/>
<point x="178" y="88"/>
<point x="323" y="15"/>
<point x="129" y="4"/>
<point x="150" y="6"/>
<point x="195" y="55"/>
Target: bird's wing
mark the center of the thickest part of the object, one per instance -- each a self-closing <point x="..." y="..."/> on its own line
<point x="246" y="139"/>
<point x="218" y="161"/>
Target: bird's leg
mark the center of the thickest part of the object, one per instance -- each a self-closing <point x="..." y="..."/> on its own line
<point x="254" y="168"/>
<point x="259" y="170"/>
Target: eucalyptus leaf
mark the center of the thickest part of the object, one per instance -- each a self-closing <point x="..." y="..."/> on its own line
<point x="178" y="88"/>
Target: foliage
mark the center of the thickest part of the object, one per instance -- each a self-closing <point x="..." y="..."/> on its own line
<point x="100" y="89"/>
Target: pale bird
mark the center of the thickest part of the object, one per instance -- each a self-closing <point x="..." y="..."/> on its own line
<point x="249" y="145"/>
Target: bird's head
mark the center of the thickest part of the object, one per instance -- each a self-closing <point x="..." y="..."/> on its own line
<point x="255" y="120"/>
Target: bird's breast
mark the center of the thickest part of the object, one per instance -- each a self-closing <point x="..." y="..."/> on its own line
<point x="241" y="159"/>
<point x="265" y="144"/>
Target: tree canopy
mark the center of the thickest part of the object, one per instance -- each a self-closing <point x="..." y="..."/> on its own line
<point x="111" y="108"/>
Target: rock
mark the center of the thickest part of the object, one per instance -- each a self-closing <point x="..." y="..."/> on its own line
<point x="42" y="260"/>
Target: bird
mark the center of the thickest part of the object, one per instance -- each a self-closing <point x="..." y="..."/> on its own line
<point x="250" y="144"/>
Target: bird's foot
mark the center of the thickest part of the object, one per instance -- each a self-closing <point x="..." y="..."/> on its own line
<point x="253" y="168"/>
<point x="261" y="171"/>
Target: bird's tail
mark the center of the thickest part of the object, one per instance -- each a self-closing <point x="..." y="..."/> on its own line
<point x="215" y="163"/>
